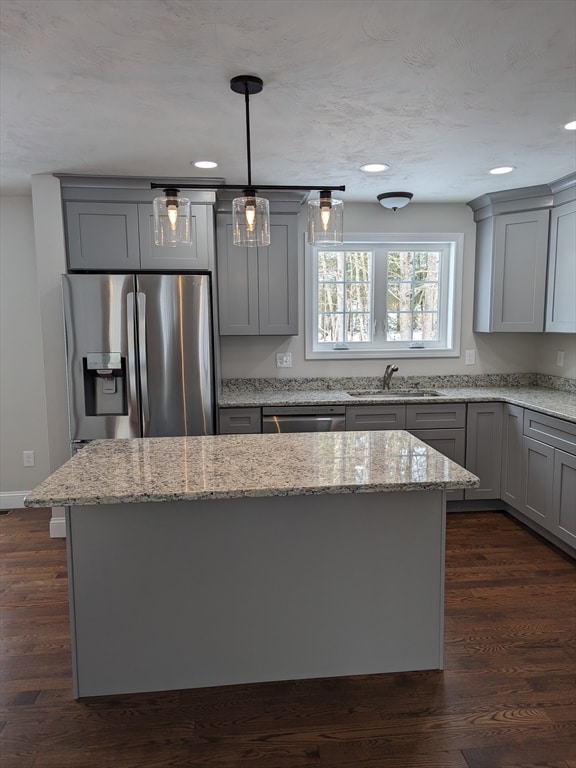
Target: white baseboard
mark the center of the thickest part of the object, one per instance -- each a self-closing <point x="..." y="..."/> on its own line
<point x="13" y="499"/>
<point x="57" y="527"/>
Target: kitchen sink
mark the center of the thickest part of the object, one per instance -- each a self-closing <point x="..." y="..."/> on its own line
<point x="393" y="393"/>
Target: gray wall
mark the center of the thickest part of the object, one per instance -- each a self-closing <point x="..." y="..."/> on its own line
<point x="23" y="424"/>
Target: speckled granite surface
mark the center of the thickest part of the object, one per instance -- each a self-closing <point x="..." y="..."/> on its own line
<point x="554" y="402"/>
<point x="233" y="466"/>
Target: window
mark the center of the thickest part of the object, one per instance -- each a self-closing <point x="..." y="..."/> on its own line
<point x="378" y="294"/>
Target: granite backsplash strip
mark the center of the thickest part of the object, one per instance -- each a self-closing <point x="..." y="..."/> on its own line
<point x="401" y="382"/>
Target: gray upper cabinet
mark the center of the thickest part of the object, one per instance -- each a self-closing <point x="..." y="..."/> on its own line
<point x="511" y="256"/>
<point x="119" y="236"/>
<point x="198" y="255"/>
<point x="109" y="227"/>
<point x="525" y="259"/>
<point x="102" y="236"/>
<point x="258" y="287"/>
<point x="560" y="304"/>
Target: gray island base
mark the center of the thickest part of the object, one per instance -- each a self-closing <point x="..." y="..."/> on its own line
<point x="313" y="565"/>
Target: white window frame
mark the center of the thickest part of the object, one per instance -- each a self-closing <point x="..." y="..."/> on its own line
<point x="451" y="288"/>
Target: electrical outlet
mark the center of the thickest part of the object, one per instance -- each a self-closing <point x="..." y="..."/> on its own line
<point x="283" y="360"/>
<point x="470" y="357"/>
<point x="28" y="458"/>
<point x="560" y="358"/>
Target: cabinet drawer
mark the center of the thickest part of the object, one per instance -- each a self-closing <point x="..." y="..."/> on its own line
<point x="375" y="417"/>
<point x="237" y="421"/>
<point x="432" y="416"/>
<point x="550" y="430"/>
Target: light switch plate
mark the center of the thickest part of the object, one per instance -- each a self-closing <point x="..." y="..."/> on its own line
<point x="470" y="357"/>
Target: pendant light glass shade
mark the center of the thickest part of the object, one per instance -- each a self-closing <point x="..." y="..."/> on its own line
<point x="172" y="225"/>
<point x="250" y="220"/>
<point x="325" y="220"/>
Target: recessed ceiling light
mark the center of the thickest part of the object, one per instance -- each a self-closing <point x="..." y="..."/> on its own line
<point x="502" y="169"/>
<point x="571" y="126"/>
<point x="205" y="164"/>
<point x="374" y="167"/>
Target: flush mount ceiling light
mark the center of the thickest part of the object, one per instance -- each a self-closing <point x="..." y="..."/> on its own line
<point x="205" y="164"/>
<point x="250" y="213"/>
<point x="502" y="169"/>
<point x="394" y="200"/>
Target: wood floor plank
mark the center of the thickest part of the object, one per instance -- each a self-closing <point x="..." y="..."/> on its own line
<point x="506" y="698"/>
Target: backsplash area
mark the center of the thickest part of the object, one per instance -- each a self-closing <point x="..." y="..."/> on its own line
<point x="402" y="382"/>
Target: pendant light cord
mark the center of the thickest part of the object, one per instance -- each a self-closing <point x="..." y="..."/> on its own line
<point x="248" y="155"/>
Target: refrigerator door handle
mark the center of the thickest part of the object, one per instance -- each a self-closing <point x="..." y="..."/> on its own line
<point x="141" y="299"/>
<point x="132" y="379"/>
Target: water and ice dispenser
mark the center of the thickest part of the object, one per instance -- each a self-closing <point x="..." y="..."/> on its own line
<point x="105" y="384"/>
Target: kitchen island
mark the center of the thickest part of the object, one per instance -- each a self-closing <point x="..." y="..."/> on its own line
<point x="207" y="561"/>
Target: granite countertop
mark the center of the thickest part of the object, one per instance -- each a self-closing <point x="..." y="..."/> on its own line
<point x="233" y="466"/>
<point x="550" y="401"/>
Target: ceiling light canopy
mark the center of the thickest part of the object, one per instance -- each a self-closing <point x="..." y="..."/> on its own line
<point x="394" y="200"/>
<point x="250" y="213"/>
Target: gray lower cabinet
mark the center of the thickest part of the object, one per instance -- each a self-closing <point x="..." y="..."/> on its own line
<point x="560" y="304"/>
<point x="360" y="417"/>
<point x="484" y="449"/>
<point x="119" y="237"/>
<point x="512" y="462"/>
<point x="239" y="421"/>
<point x="538" y="463"/>
<point x="258" y="287"/>
<point x="443" y="427"/>
<point x="549" y="474"/>
<point x="564" y="497"/>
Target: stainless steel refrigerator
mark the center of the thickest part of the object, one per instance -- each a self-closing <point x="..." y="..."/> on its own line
<point x="139" y="352"/>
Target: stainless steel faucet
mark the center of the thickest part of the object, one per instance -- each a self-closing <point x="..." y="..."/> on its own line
<point x="388" y="373"/>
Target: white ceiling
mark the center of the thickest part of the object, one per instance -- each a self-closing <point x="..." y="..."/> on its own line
<point x="441" y="90"/>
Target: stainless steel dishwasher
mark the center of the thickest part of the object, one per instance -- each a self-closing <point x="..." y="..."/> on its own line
<point x="304" y="418"/>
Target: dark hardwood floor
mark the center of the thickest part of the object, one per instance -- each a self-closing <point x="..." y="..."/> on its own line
<point x="506" y="699"/>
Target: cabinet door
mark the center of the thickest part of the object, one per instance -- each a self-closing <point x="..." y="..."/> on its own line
<point x="448" y="442"/>
<point x="538" y="481"/>
<point x="237" y="284"/>
<point x="198" y="255"/>
<point x="375" y="417"/>
<point x="102" y="236"/>
<point x="511" y="482"/>
<point x="484" y="449"/>
<point x="564" y="497"/>
<point x="560" y="304"/>
<point x="278" y="278"/>
<point x="432" y="416"/>
<point x="519" y="271"/>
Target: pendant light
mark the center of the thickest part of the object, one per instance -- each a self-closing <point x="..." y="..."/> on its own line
<point x="325" y="220"/>
<point x="172" y="219"/>
<point x="250" y="213"/>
